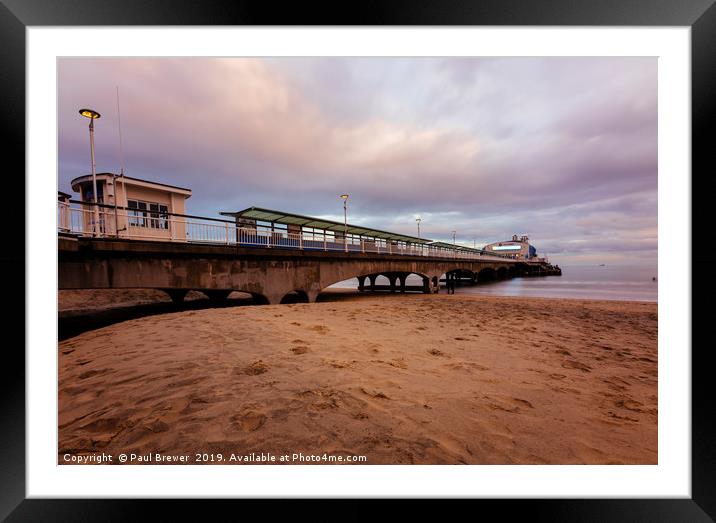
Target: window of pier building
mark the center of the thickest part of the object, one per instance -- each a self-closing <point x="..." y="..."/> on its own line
<point x="148" y="214"/>
<point x="88" y="194"/>
<point x="272" y="228"/>
<point x="314" y="234"/>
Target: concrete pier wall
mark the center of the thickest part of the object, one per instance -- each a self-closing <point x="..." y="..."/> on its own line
<point x="268" y="274"/>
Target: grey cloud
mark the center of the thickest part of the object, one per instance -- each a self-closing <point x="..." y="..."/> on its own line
<point x="564" y="147"/>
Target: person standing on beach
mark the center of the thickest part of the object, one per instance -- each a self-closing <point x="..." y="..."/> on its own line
<point x="450" y="283"/>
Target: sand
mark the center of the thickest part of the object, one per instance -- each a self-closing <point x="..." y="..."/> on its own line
<point x="413" y="379"/>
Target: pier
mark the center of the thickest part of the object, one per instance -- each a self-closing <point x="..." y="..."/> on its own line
<point x="275" y="258"/>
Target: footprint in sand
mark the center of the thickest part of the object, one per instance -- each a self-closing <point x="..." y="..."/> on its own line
<point x="99" y="433"/>
<point x="339" y="364"/>
<point x="374" y="393"/>
<point x="257" y="367"/>
<point x="156" y="426"/>
<point x="110" y="425"/>
<point x="320" y="329"/>
<point x="301" y="348"/>
<point x="397" y="363"/>
<point x="248" y="421"/>
<point x="436" y="352"/>
<point x="523" y="402"/>
<point x="91" y="373"/>
<point x="617" y="416"/>
<point x="566" y="390"/>
<point x="466" y="366"/>
<point x="573" y="364"/>
<point x="614" y="385"/>
<point x="629" y="404"/>
<point x="195" y="403"/>
<point x="74" y="391"/>
<point x="511" y="405"/>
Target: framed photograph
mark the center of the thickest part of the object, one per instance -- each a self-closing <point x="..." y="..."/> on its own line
<point x="423" y="253"/>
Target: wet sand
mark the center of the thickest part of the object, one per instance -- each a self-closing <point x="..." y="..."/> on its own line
<point x="424" y="379"/>
<point x="85" y="310"/>
<point x="81" y="302"/>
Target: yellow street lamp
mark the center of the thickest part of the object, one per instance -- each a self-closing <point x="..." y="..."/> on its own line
<point x="89" y="113"/>
<point x="93" y="115"/>
<point x="345" y="220"/>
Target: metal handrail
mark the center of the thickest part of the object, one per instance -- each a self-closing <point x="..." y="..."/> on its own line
<point x="119" y="207"/>
<point x="79" y="218"/>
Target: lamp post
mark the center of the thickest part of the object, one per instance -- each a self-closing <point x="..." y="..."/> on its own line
<point x="345" y="220"/>
<point x="418" y="220"/>
<point x="453" y="237"/>
<point x="93" y="115"/>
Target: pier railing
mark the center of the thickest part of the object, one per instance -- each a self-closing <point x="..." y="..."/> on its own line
<point x="106" y="221"/>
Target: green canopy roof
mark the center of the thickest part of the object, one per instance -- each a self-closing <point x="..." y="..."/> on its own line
<point x="268" y="215"/>
<point x="456" y="247"/>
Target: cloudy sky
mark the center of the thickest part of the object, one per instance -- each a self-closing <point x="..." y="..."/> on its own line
<point x="561" y="149"/>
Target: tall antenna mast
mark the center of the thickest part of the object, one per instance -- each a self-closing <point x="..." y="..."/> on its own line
<point x="119" y="124"/>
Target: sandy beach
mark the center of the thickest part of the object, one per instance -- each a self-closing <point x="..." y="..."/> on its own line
<point x="413" y="379"/>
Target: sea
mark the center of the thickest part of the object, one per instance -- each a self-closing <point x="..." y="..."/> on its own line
<point x="590" y="282"/>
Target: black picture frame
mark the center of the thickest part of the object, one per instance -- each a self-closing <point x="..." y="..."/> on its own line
<point x="16" y="15"/>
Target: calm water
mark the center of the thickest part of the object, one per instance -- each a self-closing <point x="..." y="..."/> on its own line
<point x="611" y="282"/>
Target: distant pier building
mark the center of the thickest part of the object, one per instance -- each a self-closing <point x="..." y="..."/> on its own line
<point x="518" y="248"/>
